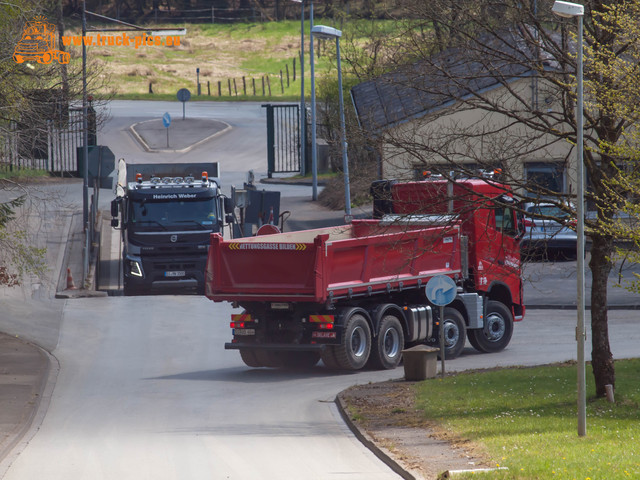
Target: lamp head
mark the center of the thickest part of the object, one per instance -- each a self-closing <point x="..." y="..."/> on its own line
<point x="322" y="31"/>
<point x="567" y="9"/>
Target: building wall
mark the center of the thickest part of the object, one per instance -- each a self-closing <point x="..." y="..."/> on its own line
<point x="466" y="134"/>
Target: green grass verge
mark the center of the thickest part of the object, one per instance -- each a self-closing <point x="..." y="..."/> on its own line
<point x="525" y="419"/>
<point x="23" y="174"/>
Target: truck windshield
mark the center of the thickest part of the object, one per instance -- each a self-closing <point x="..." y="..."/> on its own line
<point x="195" y="214"/>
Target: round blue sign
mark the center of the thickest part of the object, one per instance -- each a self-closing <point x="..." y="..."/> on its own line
<point x="441" y="290"/>
<point x="184" y="95"/>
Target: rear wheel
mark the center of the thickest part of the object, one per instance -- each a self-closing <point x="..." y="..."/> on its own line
<point x="249" y="358"/>
<point x="454" y="333"/>
<point x="353" y="352"/>
<point x="497" y="331"/>
<point x="386" y="351"/>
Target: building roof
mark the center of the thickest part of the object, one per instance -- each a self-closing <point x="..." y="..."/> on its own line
<point x="416" y="90"/>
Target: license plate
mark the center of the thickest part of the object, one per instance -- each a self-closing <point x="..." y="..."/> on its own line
<point x="244" y="331"/>
<point x="178" y="273"/>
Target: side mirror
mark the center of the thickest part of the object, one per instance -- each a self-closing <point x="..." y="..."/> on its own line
<point x="228" y="205"/>
<point x="228" y="218"/>
<point x="114" y="222"/>
<point x="114" y="207"/>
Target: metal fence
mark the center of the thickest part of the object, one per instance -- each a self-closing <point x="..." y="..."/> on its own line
<point x="50" y="146"/>
<point x="283" y="138"/>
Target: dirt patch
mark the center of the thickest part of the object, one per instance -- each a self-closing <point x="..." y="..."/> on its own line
<point x="387" y="414"/>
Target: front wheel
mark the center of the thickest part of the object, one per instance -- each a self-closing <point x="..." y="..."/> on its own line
<point x="454" y="333"/>
<point x="497" y="331"/>
<point x="386" y="351"/>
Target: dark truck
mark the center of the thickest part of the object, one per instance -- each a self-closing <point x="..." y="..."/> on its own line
<point x="166" y="213"/>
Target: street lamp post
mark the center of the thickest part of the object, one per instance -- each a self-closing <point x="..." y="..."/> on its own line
<point x="303" y="107"/>
<point x="571" y="10"/>
<point x="322" y="31"/>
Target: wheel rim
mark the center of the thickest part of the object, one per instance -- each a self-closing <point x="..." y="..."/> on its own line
<point x="391" y="342"/>
<point x="358" y="342"/>
<point x="451" y="333"/>
<point x="495" y="328"/>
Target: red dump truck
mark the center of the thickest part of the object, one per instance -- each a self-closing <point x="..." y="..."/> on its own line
<point x="354" y="295"/>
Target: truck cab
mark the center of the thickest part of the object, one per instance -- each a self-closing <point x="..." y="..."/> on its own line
<point x="166" y="222"/>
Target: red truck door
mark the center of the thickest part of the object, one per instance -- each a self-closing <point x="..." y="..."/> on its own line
<point x="498" y="251"/>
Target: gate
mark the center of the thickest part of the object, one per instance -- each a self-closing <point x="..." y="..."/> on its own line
<point x="283" y="138"/>
<point x="50" y="145"/>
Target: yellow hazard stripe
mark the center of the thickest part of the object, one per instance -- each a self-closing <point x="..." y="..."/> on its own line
<point x="241" y="317"/>
<point x="268" y="246"/>
<point x="321" y="318"/>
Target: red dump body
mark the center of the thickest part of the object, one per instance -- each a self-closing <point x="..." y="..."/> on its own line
<point x="365" y="257"/>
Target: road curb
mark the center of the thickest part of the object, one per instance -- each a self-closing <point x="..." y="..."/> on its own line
<point x="21" y="437"/>
<point x="147" y="148"/>
<point x="382" y="453"/>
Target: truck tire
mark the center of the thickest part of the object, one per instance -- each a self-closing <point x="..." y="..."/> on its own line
<point x="454" y="333"/>
<point x="386" y="350"/>
<point x="497" y="331"/>
<point x="249" y="358"/>
<point x="353" y="352"/>
<point x="329" y="358"/>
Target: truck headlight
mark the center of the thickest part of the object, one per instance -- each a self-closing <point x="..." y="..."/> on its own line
<point x="135" y="268"/>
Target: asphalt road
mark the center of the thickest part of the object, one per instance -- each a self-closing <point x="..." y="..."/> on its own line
<point x="146" y="390"/>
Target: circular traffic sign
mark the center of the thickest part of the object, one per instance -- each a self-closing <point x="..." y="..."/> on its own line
<point x="441" y="290"/>
<point x="184" y="95"/>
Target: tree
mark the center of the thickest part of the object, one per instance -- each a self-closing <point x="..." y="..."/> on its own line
<point x="498" y="81"/>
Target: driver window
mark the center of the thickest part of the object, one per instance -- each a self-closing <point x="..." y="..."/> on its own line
<point x="505" y="221"/>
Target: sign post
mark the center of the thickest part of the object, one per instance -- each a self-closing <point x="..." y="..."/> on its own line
<point x="166" y="121"/>
<point x="183" y="95"/>
<point x="441" y="290"/>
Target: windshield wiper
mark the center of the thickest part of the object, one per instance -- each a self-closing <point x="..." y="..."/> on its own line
<point x="195" y="222"/>
<point x="155" y="222"/>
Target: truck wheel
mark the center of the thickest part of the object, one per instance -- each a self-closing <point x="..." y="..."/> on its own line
<point x="454" y="333"/>
<point x="329" y="358"/>
<point x="46" y="58"/>
<point x="386" y="351"/>
<point x="249" y="358"/>
<point x="497" y="331"/>
<point x="353" y="352"/>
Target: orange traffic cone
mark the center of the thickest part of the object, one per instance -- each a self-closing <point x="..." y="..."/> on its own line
<point x="70" y="284"/>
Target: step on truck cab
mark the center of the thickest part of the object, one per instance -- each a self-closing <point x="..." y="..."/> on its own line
<point x="166" y="213"/>
<point x="354" y="295"/>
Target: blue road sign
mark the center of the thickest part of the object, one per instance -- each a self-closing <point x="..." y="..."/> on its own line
<point x="166" y="120"/>
<point x="441" y="290"/>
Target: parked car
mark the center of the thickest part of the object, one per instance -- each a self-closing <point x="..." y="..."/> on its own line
<point x="549" y="232"/>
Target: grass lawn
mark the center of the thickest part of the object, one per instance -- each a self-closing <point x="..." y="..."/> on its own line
<point x="224" y="53"/>
<point x="526" y="420"/>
